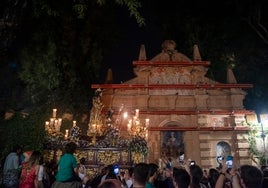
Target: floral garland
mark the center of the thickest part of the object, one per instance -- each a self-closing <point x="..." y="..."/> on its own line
<point x="111" y="138"/>
<point x="139" y="145"/>
<point x="75" y="133"/>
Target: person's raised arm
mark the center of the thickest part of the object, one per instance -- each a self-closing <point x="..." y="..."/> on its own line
<point x="223" y="172"/>
<point x="234" y="176"/>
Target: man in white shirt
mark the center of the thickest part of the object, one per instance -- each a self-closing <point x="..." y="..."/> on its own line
<point x="11" y="168"/>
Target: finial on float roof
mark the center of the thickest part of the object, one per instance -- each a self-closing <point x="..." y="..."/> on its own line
<point x="142" y="55"/>
<point x="109" y="77"/>
<point x="196" y="53"/>
<point x="230" y="76"/>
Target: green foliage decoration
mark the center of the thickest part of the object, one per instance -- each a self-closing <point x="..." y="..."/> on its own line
<point x="138" y="144"/>
<point x="252" y="135"/>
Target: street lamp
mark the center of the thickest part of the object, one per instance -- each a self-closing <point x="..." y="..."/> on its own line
<point x="264" y="123"/>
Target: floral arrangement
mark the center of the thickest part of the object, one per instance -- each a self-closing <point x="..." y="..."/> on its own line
<point x="75" y="133"/>
<point x="109" y="138"/>
<point x="138" y="144"/>
<point x="54" y="141"/>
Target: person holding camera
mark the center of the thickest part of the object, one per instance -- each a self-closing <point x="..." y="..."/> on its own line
<point x="247" y="176"/>
<point x="196" y="174"/>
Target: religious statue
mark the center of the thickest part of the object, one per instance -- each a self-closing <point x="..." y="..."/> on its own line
<point x="169" y="53"/>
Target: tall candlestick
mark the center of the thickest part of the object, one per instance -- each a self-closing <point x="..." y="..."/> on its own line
<point x="51" y="121"/>
<point x="125" y="115"/>
<point x="147" y="122"/>
<point x="54" y="114"/>
<point x="47" y="125"/>
<point x="60" y="121"/>
<point x="74" y="123"/>
<point x="137" y="113"/>
<point x="94" y="127"/>
<point x="66" y="134"/>
<point x="128" y="126"/>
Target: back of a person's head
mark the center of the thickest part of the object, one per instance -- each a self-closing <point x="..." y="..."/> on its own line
<point x="252" y="176"/>
<point x="153" y="168"/>
<point x="41" y="160"/>
<point x="35" y="158"/>
<point x="130" y="171"/>
<point x="16" y="148"/>
<point x="110" y="172"/>
<point x="181" y="178"/>
<point x="213" y="175"/>
<point x="70" y="147"/>
<point x="196" y="174"/>
<point x="110" y="183"/>
<point x="141" y="173"/>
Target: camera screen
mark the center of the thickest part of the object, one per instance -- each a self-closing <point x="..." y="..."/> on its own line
<point x="192" y="163"/>
<point x="229" y="163"/>
<point x="116" y="170"/>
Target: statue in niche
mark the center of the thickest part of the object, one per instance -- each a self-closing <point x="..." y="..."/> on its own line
<point x="223" y="149"/>
<point x="172" y="149"/>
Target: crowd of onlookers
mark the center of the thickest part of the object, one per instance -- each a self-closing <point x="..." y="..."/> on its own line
<point x="30" y="171"/>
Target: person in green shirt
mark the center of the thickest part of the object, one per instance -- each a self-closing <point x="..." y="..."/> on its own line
<point x="67" y="166"/>
<point x="152" y="175"/>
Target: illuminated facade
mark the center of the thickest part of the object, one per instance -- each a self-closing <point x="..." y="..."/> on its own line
<point x="189" y="113"/>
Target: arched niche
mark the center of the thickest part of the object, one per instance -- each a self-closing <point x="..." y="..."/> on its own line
<point x="172" y="144"/>
<point x="223" y="149"/>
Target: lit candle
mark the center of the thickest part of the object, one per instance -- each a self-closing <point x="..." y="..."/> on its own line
<point x="129" y="124"/>
<point x="94" y="127"/>
<point x="59" y="121"/>
<point x="47" y="125"/>
<point x="66" y="133"/>
<point x="56" y="125"/>
<point x="137" y="113"/>
<point x="125" y="115"/>
<point x="74" y="123"/>
<point x="147" y="120"/>
<point x="51" y="121"/>
<point x="54" y="114"/>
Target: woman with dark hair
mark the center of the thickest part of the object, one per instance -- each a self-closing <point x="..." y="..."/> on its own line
<point x="67" y="167"/>
<point x="213" y="175"/>
<point x="28" y="178"/>
<point x="196" y="174"/>
<point x="110" y="183"/>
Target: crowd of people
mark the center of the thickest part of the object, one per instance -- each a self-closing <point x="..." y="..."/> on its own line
<point x="30" y="171"/>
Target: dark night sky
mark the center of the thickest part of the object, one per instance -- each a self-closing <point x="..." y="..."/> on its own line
<point x="122" y="56"/>
<point x="127" y="50"/>
<point x="152" y="34"/>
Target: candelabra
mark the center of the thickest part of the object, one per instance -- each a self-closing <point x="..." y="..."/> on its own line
<point x="136" y="127"/>
<point x="95" y="130"/>
<point x="53" y="126"/>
